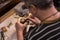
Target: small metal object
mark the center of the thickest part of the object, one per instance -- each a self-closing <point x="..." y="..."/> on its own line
<point x="4" y="29"/>
<point x="9" y="24"/>
<point x="22" y="21"/>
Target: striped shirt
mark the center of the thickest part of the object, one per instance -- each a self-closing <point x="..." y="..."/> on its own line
<point x="49" y="31"/>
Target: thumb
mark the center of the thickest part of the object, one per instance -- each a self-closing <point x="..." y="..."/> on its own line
<point x="25" y="24"/>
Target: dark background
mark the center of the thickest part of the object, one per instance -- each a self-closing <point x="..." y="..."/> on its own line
<point x="6" y="5"/>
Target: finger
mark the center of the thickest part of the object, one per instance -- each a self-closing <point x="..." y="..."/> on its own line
<point x="37" y="19"/>
<point x="25" y="23"/>
<point x="33" y="20"/>
<point x="18" y="21"/>
<point x="31" y="16"/>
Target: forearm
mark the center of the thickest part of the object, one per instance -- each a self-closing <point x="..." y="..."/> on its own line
<point x="20" y="35"/>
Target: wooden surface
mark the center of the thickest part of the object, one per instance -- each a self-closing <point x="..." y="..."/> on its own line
<point x="5" y="20"/>
<point x="7" y="5"/>
<point x="9" y="13"/>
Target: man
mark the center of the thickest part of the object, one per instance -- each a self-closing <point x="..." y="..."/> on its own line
<point x="49" y="26"/>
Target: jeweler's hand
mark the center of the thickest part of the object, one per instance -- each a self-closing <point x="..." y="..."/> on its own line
<point x="35" y="20"/>
<point x="20" y="26"/>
